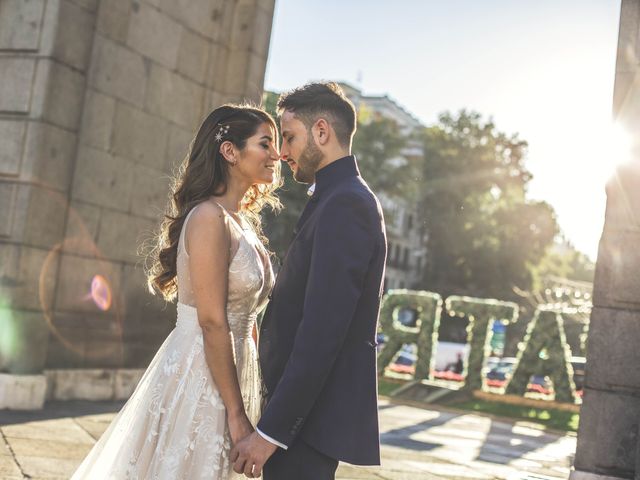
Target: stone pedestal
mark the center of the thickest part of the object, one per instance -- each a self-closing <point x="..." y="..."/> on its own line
<point x="99" y="100"/>
<point x="608" y="443"/>
<point x="22" y="392"/>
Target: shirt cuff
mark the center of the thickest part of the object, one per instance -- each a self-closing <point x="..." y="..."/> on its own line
<point x="271" y="440"/>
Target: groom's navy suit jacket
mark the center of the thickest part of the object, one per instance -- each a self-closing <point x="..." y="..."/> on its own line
<point x="318" y="335"/>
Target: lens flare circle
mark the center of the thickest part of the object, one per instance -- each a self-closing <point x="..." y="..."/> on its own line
<point x="101" y="292"/>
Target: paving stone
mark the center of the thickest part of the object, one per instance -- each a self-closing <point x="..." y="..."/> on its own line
<point x="404" y="463"/>
<point x="60" y="449"/>
<point x="93" y="426"/>
<point x="9" y="469"/>
<point x="49" y="430"/>
<point x="38" y="466"/>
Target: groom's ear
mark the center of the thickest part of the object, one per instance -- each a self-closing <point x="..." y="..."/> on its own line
<point x="321" y="131"/>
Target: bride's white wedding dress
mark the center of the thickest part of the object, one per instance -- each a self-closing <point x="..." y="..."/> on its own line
<point x="174" y="425"/>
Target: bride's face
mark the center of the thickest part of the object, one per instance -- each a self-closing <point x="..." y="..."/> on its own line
<point x="258" y="159"/>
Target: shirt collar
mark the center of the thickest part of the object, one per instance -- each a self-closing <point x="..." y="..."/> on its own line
<point x="333" y="173"/>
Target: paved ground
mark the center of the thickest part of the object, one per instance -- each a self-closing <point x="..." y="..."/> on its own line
<point x="418" y="444"/>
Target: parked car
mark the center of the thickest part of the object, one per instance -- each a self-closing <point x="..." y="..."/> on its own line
<point x="499" y="371"/>
<point x="405" y="361"/>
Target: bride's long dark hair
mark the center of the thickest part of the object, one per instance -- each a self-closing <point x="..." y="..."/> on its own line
<point x="203" y="173"/>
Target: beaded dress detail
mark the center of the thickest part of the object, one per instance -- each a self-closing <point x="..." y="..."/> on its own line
<point x="174" y="425"/>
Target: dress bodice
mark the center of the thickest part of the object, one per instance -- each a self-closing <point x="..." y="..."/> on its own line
<point x="250" y="277"/>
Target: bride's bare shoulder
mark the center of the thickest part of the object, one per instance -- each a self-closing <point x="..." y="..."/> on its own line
<point x="207" y="224"/>
<point x="208" y="211"/>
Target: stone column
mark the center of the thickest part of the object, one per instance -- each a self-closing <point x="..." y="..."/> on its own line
<point x="99" y="100"/>
<point x="608" y="435"/>
<point x="45" y="47"/>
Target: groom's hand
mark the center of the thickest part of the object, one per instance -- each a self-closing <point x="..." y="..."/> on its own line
<point x="250" y="454"/>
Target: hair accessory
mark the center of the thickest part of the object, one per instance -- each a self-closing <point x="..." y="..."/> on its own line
<point x="220" y="134"/>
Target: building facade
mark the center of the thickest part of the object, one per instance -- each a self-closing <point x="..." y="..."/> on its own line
<point x="99" y="100"/>
<point x="608" y="438"/>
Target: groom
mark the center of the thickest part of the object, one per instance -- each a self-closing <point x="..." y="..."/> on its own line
<point x="318" y="336"/>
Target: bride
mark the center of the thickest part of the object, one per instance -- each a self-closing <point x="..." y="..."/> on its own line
<point x="202" y="391"/>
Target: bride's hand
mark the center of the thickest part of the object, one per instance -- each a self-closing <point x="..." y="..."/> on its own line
<point x="239" y="427"/>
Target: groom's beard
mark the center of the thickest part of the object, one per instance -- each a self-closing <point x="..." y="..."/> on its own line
<point x="308" y="163"/>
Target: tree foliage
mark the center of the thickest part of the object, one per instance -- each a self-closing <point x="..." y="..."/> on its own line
<point x="483" y="233"/>
<point x="379" y="146"/>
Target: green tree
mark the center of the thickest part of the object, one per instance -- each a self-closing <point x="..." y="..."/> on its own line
<point x="483" y="234"/>
<point x="379" y="146"/>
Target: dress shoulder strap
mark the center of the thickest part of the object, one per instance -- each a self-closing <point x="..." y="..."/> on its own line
<point x="181" y="241"/>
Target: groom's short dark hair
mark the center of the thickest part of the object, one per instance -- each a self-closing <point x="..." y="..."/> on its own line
<point x="322" y="99"/>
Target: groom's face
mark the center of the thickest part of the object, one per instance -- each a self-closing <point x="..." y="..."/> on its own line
<point x="299" y="149"/>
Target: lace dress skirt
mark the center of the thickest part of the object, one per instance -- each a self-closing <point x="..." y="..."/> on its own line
<point x="174" y="425"/>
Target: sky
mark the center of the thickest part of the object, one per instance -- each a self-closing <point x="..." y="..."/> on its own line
<point x="543" y="69"/>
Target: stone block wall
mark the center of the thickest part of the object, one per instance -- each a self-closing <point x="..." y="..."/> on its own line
<point x="608" y="440"/>
<point x="99" y="100"/>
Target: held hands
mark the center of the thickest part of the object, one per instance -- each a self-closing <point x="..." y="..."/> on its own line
<point x="250" y="454"/>
<point x="239" y="427"/>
